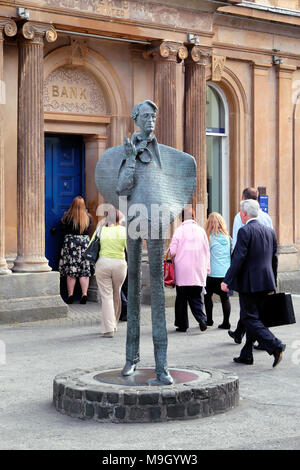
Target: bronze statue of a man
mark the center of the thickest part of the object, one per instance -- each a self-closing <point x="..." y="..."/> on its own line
<point x="153" y="177"/>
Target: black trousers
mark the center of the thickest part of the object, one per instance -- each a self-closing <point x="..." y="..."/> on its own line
<point x="213" y="286"/>
<point x="240" y="329"/>
<point x="188" y="295"/>
<point x="250" y="305"/>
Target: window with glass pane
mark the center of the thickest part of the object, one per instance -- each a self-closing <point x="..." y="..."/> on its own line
<point x="214" y="173"/>
<point x="215" y="132"/>
<point x="215" y="115"/>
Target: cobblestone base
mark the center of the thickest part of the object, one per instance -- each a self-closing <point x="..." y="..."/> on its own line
<point x="78" y="394"/>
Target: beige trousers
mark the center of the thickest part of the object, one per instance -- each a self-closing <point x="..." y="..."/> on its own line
<point x="110" y="274"/>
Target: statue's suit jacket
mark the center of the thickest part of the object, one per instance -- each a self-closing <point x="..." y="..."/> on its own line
<point x="167" y="180"/>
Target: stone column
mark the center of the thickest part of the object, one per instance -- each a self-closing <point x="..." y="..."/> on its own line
<point x="9" y="28"/>
<point x="95" y="145"/>
<point x="195" y="126"/>
<point x="166" y="56"/>
<point x="285" y="184"/>
<point x="31" y="194"/>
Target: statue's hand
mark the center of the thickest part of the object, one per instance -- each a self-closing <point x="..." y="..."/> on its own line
<point x="130" y="149"/>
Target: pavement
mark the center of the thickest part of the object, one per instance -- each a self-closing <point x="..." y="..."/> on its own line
<point x="267" y="417"/>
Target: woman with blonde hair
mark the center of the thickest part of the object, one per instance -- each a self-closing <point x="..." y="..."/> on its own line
<point x="76" y="222"/>
<point x="111" y="270"/>
<point x="220" y="248"/>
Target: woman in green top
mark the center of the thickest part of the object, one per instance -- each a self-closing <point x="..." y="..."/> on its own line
<point x="111" y="270"/>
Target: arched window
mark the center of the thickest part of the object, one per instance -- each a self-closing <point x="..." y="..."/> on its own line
<point x="217" y="152"/>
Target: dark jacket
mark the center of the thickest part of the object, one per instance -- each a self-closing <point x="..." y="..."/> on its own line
<point x="254" y="262"/>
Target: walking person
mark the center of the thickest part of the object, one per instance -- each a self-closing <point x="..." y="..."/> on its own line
<point x="264" y="219"/>
<point x="219" y="244"/>
<point x="111" y="270"/>
<point x="75" y="224"/>
<point x="252" y="274"/>
<point x="190" y="249"/>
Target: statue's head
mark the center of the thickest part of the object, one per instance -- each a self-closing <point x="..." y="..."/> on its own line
<point x="144" y="115"/>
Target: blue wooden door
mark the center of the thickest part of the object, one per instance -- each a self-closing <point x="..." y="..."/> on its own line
<point x="64" y="180"/>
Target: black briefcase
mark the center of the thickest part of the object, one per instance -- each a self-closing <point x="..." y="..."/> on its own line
<point x="277" y="309"/>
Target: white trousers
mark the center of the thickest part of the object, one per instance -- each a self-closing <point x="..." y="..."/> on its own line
<point x="110" y="274"/>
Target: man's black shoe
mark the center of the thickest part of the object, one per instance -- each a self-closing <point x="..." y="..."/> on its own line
<point x="202" y="326"/>
<point x="224" y="326"/>
<point x="241" y="360"/>
<point x="232" y="335"/>
<point x="278" y="354"/>
<point x="180" y="330"/>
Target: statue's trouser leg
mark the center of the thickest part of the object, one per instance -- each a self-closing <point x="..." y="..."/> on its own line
<point x="134" y="251"/>
<point x="159" y="329"/>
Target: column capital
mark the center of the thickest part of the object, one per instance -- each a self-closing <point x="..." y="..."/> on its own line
<point x="95" y="138"/>
<point x="285" y="70"/>
<point x="167" y="50"/>
<point x="37" y="32"/>
<point x="8" y="27"/>
<point x="261" y="66"/>
<point x="196" y="55"/>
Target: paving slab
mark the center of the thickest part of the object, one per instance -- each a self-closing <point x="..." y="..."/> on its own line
<point x="33" y="353"/>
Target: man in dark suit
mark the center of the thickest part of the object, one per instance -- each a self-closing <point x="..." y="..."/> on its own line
<point x="263" y="218"/>
<point x="252" y="274"/>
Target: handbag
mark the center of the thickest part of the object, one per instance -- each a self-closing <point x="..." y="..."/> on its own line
<point x="91" y="254"/>
<point x="169" y="272"/>
<point x="277" y="309"/>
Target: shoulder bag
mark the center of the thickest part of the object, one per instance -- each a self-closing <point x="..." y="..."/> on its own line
<point x="91" y="254"/>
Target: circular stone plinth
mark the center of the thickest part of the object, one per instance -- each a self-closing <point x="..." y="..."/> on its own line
<point x="108" y="396"/>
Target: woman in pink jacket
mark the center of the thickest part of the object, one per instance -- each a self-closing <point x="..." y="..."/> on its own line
<point x="190" y="249"/>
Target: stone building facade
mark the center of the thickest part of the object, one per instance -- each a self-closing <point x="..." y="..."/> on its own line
<point x="225" y="76"/>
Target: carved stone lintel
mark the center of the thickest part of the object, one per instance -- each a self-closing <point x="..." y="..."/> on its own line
<point x="167" y="50"/>
<point x="36" y="32"/>
<point x="8" y="26"/>
<point x="217" y="67"/>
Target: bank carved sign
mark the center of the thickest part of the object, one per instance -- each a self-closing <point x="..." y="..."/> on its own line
<point x="73" y="90"/>
<point x="137" y="10"/>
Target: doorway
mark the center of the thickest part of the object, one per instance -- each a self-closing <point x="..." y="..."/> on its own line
<point x="64" y="180"/>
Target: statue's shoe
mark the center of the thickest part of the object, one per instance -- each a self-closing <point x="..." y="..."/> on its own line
<point x="164" y="379"/>
<point x="128" y="369"/>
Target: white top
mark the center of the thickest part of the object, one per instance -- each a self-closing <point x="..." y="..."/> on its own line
<point x="262" y="217"/>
